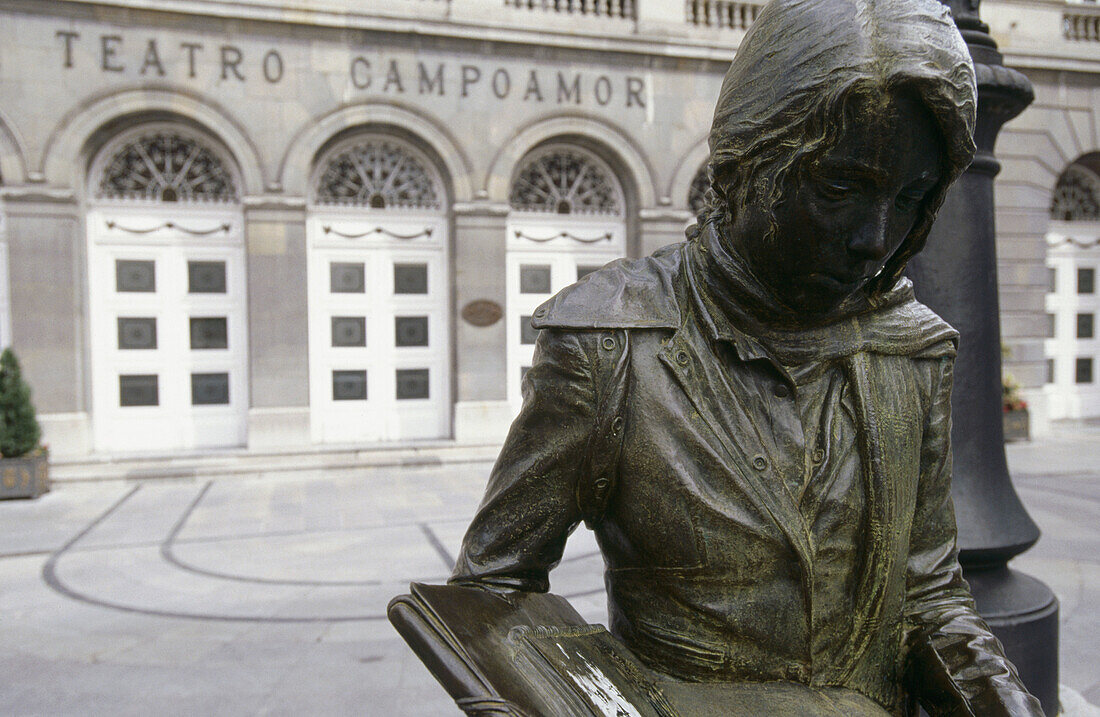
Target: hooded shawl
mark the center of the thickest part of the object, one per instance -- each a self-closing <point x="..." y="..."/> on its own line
<point x="790" y="76"/>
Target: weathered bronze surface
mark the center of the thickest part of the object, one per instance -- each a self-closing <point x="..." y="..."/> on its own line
<point x="756" y="422"/>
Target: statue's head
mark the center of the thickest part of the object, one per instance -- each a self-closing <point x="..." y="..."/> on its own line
<point x="839" y="128"/>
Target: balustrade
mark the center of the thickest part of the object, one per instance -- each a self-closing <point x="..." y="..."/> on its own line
<point x="1033" y="27"/>
<point x="594" y="8"/>
<point x="722" y="13"/>
<point x="1081" y="25"/>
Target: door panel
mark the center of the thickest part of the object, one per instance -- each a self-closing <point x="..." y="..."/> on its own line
<point x="168" y="329"/>
<point x="379" y="332"/>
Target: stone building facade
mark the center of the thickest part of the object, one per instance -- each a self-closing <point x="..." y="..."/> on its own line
<point x="1048" y="190"/>
<point x="273" y="224"/>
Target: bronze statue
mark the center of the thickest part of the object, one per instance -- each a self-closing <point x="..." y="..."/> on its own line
<point x="755" y="422"/>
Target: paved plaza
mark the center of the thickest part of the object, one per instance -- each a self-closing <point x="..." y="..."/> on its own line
<point x="244" y="596"/>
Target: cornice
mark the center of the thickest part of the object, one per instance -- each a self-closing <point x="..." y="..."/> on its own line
<point x="630" y="40"/>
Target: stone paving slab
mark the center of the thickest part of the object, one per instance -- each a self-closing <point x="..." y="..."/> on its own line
<point x="266" y="596"/>
<point x="1058" y="480"/>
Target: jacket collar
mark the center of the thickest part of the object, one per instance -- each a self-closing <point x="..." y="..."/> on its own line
<point x="662" y="290"/>
<point x="642" y="293"/>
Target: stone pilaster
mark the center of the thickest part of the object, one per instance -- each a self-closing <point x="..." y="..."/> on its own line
<point x="47" y="262"/>
<point x="661" y="227"/>
<point x="275" y="234"/>
<point x="482" y="413"/>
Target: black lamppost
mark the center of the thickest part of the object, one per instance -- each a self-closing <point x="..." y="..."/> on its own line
<point x="956" y="276"/>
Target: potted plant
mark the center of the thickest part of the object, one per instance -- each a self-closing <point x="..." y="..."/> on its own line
<point x="23" y="467"/>
<point x="1015" y="410"/>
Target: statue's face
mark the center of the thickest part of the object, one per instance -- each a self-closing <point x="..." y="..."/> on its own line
<point x="847" y="212"/>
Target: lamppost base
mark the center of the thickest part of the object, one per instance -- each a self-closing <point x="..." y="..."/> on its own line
<point x="1023" y="614"/>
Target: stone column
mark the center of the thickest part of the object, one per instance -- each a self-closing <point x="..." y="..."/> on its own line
<point x="275" y="236"/>
<point x="47" y="263"/>
<point x="956" y="276"/>
<point x="482" y="414"/>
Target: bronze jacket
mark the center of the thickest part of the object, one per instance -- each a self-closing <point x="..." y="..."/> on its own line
<point x="629" y="423"/>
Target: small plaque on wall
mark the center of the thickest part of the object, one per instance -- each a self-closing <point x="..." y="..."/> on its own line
<point x="482" y="312"/>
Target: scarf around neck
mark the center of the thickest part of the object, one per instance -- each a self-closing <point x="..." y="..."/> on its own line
<point x="734" y="305"/>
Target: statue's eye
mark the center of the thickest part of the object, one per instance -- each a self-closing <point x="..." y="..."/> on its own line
<point x="835" y="189"/>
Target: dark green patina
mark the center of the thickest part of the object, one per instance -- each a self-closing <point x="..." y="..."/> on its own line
<point x="756" y="422"/>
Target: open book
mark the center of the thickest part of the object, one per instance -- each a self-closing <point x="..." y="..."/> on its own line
<point x="523" y="654"/>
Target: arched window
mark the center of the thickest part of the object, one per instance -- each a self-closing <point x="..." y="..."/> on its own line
<point x="166" y="166"/>
<point x="567" y="181"/>
<point x="379" y="296"/>
<point x="697" y="193"/>
<point x="167" y="290"/>
<point x="377" y="173"/>
<point x="1077" y="195"/>
<point x="1072" y="302"/>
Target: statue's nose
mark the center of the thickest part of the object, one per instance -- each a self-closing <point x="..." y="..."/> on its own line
<point x="870" y="241"/>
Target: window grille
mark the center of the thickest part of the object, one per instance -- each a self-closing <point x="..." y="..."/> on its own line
<point x="378" y="174"/>
<point x="566" y="181"/>
<point x="697" y="194"/>
<point x="1076" y="196"/>
<point x="165" y="166"/>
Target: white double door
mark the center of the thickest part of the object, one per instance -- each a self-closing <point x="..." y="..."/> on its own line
<point x="378" y="328"/>
<point x="168" y="329"/>
<point x="543" y="257"/>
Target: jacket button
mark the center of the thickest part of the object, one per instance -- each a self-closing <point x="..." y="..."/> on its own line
<point x="682" y="358"/>
<point x="540" y="312"/>
<point x="617" y="424"/>
<point x="781" y="390"/>
<point x="609" y="343"/>
<point x="759" y="462"/>
<point x="601" y="486"/>
<point x="819" y="455"/>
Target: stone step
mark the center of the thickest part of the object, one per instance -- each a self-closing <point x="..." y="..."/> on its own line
<point x="243" y="463"/>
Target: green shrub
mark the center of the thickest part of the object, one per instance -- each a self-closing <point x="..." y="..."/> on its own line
<point x="19" y="429"/>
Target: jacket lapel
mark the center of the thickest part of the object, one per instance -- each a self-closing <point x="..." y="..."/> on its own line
<point x="743" y="454"/>
<point x="885" y="393"/>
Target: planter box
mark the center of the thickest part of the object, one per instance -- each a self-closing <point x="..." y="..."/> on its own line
<point x="1016" y="425"/>
<point x="26" y="476"/>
